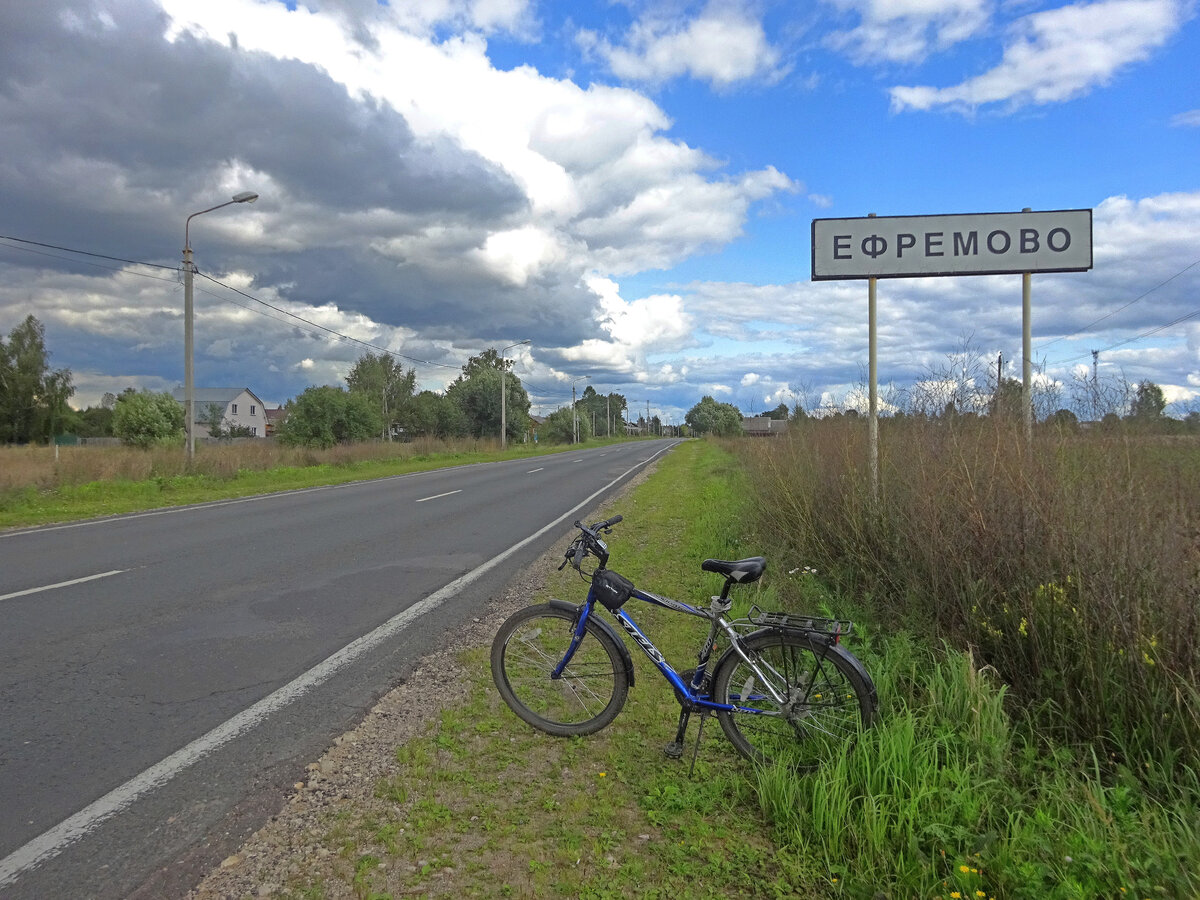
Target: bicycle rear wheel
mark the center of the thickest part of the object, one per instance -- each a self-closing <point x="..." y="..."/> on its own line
<point x="827" y="697"/>
<point x="592" y="688"/>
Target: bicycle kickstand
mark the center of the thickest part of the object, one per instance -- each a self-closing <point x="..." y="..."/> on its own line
<point x="674" y="750"/>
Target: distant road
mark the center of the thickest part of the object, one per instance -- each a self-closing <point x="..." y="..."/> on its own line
<point x="163" y="674"/>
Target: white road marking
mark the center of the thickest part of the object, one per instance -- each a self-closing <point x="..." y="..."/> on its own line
<point x="55" y="840"/>
<point x="61" y="584"/>
<point x="538" y="469"/>
<point x="436" y="496"/>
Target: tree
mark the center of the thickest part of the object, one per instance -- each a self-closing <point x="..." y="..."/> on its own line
<point x="477" y="393"/>
<point x="436" y="415"/>
<point x="1148" y="403"/>
<point x="559" y="427"/>
<point x="1008" y="400"/>
<point x="1063" y="420"/>
<point x="710" y="417"/>
<point x="604" y="410"/>
<point x="96" y="421"/>
<point x="780" y="412"/>
<point x="146" y="418"/>
<point x="33" y="399"/>
<point x="385" y="383"/>
<point x="325" y="416"/>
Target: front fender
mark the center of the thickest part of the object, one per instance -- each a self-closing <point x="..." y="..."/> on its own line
<point x="626" y="659"/>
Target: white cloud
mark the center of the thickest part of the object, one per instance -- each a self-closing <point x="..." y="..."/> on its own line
<point x="606" y="189"/>
<point x="907" y="31"/>
<point x="1189" y="119"/>
<point x="424" y="16"/>
<point x="635" y="330"/>
<point x="724" y="45"/>
<point x="1058" y="54"/>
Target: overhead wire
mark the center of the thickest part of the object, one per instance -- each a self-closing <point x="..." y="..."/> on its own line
<point x="1121" y="308"/>
<point x="4" y="237"/>
<point x="542" y="391"/>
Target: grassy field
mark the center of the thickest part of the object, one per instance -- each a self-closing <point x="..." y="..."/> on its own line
<point x="1034" y="615"/>
<point x="39" y="485"/>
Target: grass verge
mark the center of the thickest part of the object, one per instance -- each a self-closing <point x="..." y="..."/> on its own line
<point x="85" y="482"/>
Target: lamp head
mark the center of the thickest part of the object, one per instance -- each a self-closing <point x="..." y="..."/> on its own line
<point x="245" y="197"/>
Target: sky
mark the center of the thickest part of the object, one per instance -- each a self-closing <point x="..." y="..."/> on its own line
<point x="628" y="185"/>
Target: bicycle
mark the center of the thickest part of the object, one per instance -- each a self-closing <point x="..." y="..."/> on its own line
<point x="784" y="689"/>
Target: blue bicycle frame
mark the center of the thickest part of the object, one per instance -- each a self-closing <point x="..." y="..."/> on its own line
<point x="693" y="699"/>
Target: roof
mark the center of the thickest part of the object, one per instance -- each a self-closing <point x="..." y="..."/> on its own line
<point x="224" y="396"/>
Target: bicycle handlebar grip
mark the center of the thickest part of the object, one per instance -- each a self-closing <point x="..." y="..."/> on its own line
<point x="613" y="521"/>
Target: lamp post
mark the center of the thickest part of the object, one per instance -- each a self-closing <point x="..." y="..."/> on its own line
<point x="189" y="384"/>
<point x="503" y="393"/>
<point x="574" y="411"/>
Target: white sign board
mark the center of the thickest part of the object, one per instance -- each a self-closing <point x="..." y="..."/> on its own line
<point x="967" y="244"/>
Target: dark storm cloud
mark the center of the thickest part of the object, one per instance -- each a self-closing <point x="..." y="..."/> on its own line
<point x="84" y="98"/>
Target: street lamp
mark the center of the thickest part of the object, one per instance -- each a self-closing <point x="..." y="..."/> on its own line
<point x="503" y="392"/>
<point x="574" y="410"/>
<point x="189" y="384"/>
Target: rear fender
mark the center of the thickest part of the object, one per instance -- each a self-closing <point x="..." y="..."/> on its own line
<point x="626" y="659"/>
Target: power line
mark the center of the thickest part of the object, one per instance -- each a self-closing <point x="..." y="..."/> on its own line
<point x="133" y="262"/>
<point x="1120" y="308"/>
<point x="337" y="334"/>
<point x="93" y="265"/>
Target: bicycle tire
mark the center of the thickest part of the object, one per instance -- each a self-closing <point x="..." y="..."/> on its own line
<point x="829" y="697"/>
<point x="592" y="689"/>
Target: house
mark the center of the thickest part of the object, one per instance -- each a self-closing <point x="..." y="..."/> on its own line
<point x="275" y="418"/>
<point x="761" y="426"/>
<point x="238" y="408"/>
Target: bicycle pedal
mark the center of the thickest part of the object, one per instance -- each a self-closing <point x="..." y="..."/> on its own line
<point x="674" y="750"/>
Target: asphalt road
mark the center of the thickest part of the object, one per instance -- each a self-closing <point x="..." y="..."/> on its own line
<point x="164" y="676"/>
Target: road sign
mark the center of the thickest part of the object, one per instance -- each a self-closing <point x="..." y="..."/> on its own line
<point x="966" y="244"/>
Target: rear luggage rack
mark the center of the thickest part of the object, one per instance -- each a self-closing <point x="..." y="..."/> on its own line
<point x="813" y="624"/>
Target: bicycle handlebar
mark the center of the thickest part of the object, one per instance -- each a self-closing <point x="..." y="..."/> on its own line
<point x="589" y="543"/>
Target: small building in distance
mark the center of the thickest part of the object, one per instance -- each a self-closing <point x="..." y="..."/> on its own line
<point x="239" y="408"/>
<point x="761" y="426"/>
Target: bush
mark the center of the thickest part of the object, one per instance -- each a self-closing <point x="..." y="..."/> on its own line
<point x="145" y="418"/>
<point x="325" y="416"/>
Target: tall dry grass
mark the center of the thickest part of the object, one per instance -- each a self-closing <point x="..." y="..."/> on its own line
<point x="1071" y="566"/>
<point x="44" y="469"/>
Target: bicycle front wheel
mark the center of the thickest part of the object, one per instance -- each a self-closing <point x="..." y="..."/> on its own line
<point x="827" y="697"/>
<point x="589" y="693"/>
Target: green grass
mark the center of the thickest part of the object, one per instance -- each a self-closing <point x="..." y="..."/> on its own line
<point x="950" y="793"/>
<point x="64" y="501"/>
